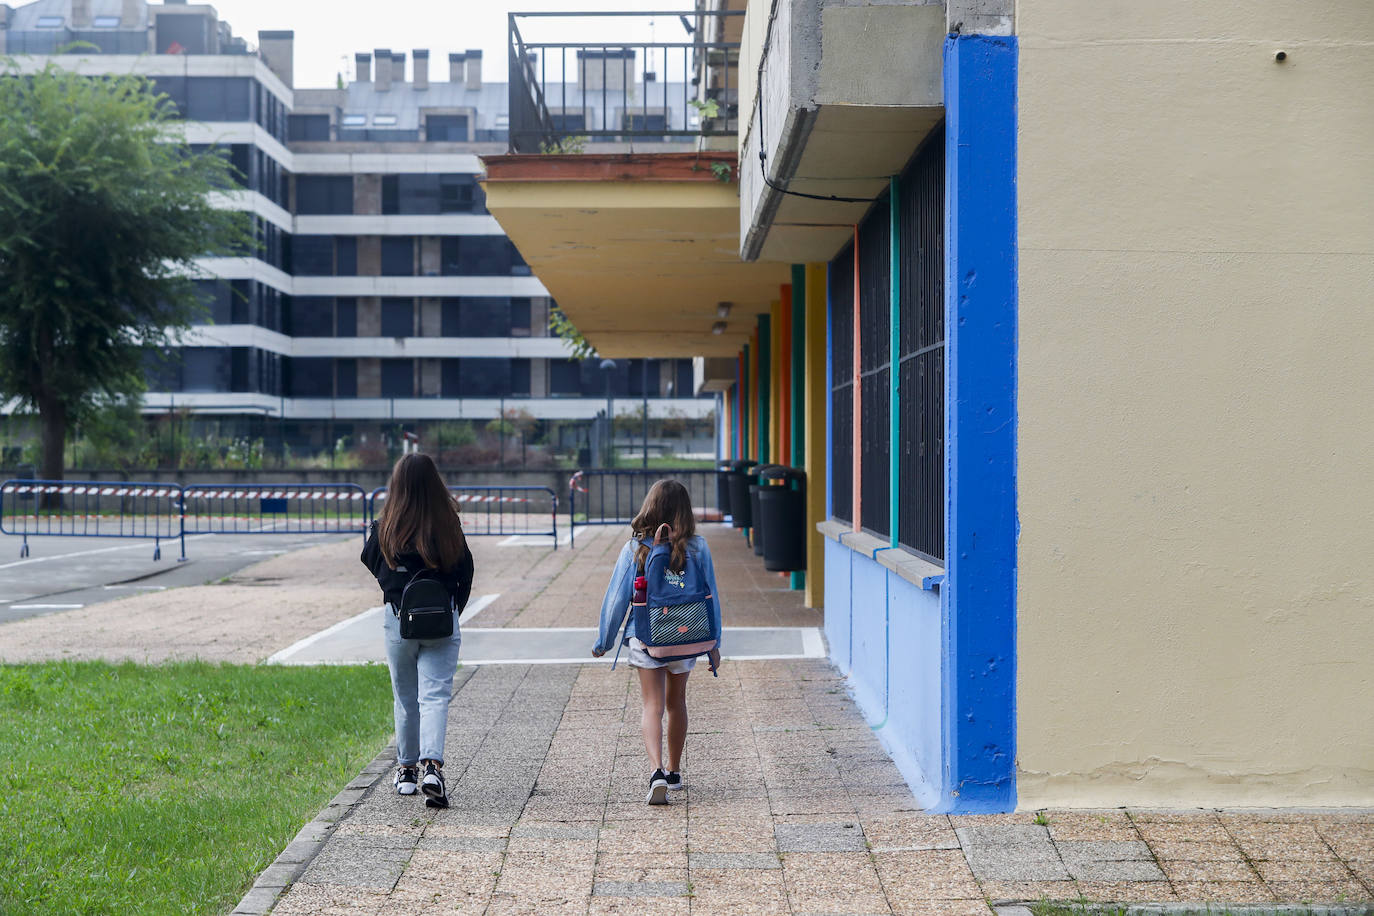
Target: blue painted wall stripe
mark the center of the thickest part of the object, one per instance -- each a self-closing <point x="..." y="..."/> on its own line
<point x="979" y="628"/>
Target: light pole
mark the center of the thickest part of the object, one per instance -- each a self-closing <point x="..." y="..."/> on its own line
<point x="608" y="366"/>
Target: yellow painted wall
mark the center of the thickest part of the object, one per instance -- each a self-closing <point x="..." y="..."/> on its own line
<point x="1195" y="591"/>
<point x="814" y="388"/>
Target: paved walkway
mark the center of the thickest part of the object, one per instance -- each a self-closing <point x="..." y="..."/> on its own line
<point x="791" y="804"/>
<point x="791" y="807"/>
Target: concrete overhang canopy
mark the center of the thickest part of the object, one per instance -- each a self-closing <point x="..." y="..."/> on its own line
<point x="847" y="95"/>
<point x="638" y="249"/>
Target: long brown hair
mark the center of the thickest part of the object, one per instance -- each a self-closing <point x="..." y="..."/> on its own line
<point x="420" y="516"/>
<point x="666" y="502"/>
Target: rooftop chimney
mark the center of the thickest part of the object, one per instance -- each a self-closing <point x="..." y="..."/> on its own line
<point x="278" y="50"/>
<point x="131" y="14"/>
<point x="81" y="14"/>
<point x="420" y="63"/>
<point x="474" y="68"/>
<point x="455" y="68"/>
<point x="398" y="67"/>
<point x="383" y="59"/>
<point x="362" y="66"/>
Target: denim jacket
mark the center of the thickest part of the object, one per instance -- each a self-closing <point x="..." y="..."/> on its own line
<point x="620" y="592"/>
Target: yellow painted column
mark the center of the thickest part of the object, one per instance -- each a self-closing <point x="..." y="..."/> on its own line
<point x="815" y="393"/>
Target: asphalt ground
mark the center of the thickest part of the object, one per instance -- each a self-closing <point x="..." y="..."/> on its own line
<point x="67" y="573"/>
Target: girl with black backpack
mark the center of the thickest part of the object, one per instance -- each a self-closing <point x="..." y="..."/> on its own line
<point x="418" y="554"/>
<point x="666" y="513"/>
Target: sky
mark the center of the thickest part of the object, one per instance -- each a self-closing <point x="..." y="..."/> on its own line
<point x="330" y="32"/>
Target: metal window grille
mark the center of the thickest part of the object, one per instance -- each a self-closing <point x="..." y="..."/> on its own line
<point x="840" y="278"/>
<point x="921" y="220"/>
<point x="875" y="359"/>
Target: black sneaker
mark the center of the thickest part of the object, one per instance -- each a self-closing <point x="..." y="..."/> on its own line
<point x="407" y="779"/>
<point x="658" y="789"/>
<point x="432" y="785"/>
<point x="674" y="780"/>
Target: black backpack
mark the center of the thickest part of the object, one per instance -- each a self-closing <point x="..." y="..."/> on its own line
<point x="426" y="610"/>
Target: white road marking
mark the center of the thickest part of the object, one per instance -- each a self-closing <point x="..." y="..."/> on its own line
<point x="146" y="588"/>
<point x="45" y="607"/>
<point x="279" y="658"/>
<point x="476" y="607"/>
<point x="86" y="553"/>
<point x="534" y="540"/>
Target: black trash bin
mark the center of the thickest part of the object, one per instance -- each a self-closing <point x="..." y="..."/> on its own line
<point x="756" y="486"/>
<point x="740" y="516"/>
<point x="782" y="519"/>
<point x="723" y="470"/>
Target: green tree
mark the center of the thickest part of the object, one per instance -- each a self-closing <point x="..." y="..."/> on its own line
<point x="103" y="210"/>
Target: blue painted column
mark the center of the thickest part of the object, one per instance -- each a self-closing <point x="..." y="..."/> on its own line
<point x="979" y="627"/>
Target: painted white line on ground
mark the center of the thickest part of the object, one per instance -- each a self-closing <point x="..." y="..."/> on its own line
<point x="508" y="541"/>
<point x="533" y="540"/>
<point x="86" y="553"/>
<point x="281" y="657"/>
<point x="813" y="644"/>
<point x="146" y="588"/>
<point x="476" y="607"/>
<point x="45" y="607"/>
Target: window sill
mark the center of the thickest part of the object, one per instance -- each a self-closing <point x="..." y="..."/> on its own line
<point x="921" y="573"/>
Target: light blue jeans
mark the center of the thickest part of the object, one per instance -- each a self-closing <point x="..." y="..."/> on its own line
<point x="422" y="684"/>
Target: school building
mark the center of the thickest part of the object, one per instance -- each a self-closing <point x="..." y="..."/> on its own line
<point x="1064" y="308"/>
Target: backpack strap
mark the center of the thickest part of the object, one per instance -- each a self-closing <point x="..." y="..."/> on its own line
<point x="620" y="643"/>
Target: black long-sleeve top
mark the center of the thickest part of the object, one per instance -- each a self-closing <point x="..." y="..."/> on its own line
<point x="394" y="581"/>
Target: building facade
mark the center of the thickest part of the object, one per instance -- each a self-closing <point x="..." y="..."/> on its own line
<point x="379" y="293"/>
<point x="1072" y="345"/>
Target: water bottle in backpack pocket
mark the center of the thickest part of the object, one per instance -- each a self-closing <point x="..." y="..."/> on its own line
<point x="426" y="608"/>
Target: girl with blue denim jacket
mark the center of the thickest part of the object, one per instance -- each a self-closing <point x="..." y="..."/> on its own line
<point x="667" y="509"/>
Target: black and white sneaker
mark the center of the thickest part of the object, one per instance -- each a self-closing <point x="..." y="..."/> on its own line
<point x="658" y="789"/>
<point x="674" y="780"/>
<point x="432" y="785"/>
<point x="407" y="780"/>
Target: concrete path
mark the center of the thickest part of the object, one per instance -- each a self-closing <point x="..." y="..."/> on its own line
<point x="791" y="807"/>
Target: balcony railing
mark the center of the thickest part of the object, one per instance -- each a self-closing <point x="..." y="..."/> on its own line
<point x="566" y="95"/>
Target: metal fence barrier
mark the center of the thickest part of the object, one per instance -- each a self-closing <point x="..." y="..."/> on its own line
<point x="276" y="508"/>
<point x="91" y="509"/>
<point x="508" y="510"/>
<point x="613" y="496"/>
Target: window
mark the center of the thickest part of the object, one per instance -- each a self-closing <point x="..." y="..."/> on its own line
<point x="569" y="123"/>
<point x="460" y="193"/>
<point x="450" y="381"/>
<point x="312" y="316"/>
<point x="398" y="378"/>
<point x="49" y="22"/>
<point x="105" y="22"/>
<point x="324" y="195"/>
<point x="565" y="378"/>
<point x="921" y="354"/>
<point x="476" y="316"/>
<point x="218" y="98"/>
<point x="410" y="194"/>
<point x="204" y="369"/>
<point x="398" y="256"/>
<point x="345" y="378"/>
<point x="840" y="279"/>
<point x="485" y="378"/>
<point x="312" y="255"/>
<point x="875" y="351"/>
<point x="353" y="120"/>
<point x="310" y="377"/>
<point x="520" y="317"/>
<point x="446" y="128"/>
<point x="346" y="317"/>
<point x="346" y="256"/>
<point x="398" y="317"/>
<point x="520" y="378"/>
<point x="307" y="127"/>
<point x="384" y="120"/>
<point x="476" y="255"/>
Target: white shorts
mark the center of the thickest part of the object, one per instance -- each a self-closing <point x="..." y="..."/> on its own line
<point x="639" y="658"/>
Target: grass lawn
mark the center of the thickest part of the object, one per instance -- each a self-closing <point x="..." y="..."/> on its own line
<point x="166" y="789"/>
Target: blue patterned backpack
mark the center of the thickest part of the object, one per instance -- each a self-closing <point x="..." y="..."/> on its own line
<point x="674" y="613"/>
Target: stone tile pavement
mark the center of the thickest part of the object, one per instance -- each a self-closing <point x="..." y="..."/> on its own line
<point x="791" y="807"/>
